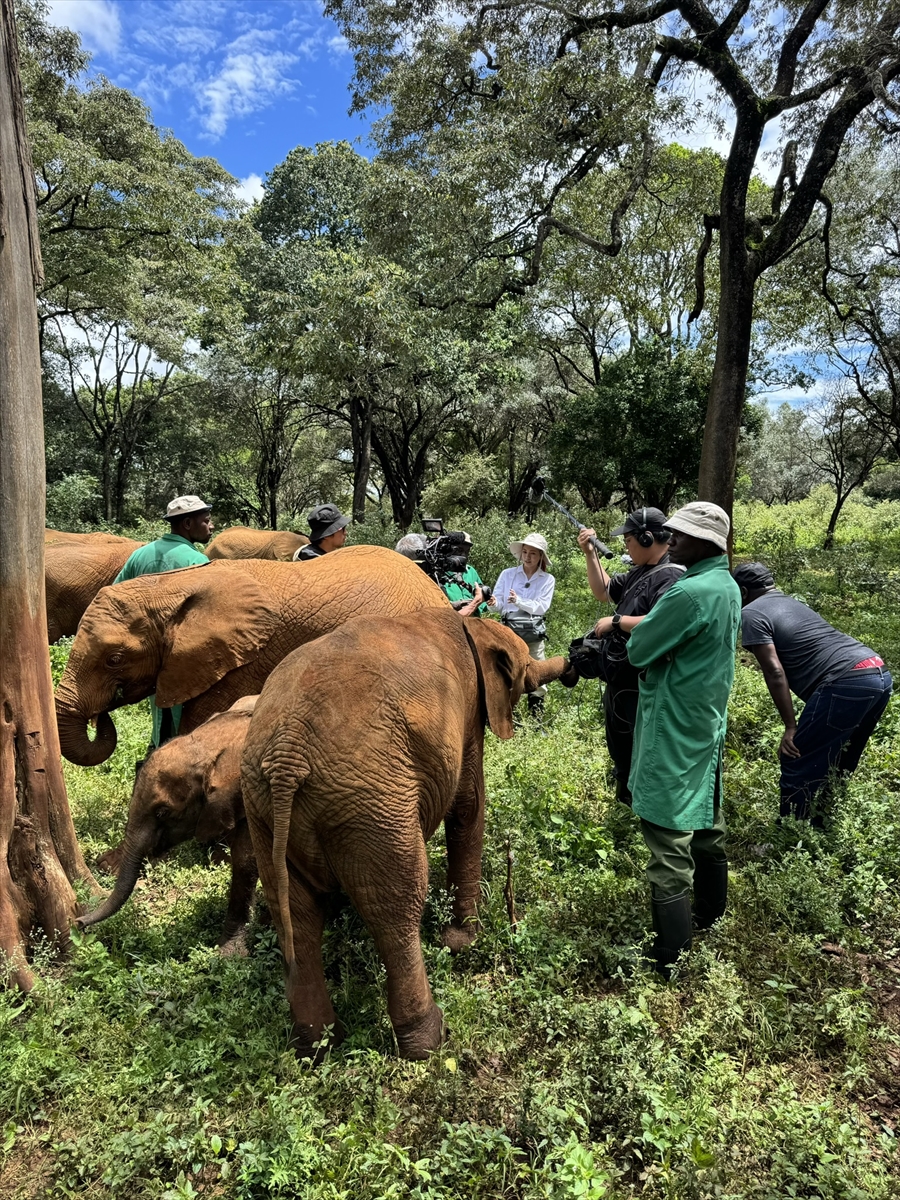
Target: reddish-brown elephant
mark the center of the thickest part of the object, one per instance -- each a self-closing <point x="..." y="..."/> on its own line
<point x="191" y="788"/>
<point x="359" y="746"/>
<point x="76" y="567"/>
<point x="207" y="635"/>
<point x="279" y="545"/>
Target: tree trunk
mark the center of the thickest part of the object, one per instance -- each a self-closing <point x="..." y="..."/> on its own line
<point x="361" y="434"/>
<point x="737" y="276"/>
<point x="39" y="854"/>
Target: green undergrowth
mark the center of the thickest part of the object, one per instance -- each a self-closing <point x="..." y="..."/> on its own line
<point x="147" y="1066"/>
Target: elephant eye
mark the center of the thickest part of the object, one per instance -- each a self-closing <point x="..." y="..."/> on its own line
<point x="114" y="660"/>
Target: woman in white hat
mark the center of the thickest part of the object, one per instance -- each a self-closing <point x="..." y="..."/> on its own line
<point x="522" y="596"/>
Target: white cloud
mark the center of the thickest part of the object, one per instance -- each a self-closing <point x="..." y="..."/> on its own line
<point x="250" y="189"/>
<point x="338" y="44"/>
<point x="96" y="20"/>
<point x="247" y="82"/>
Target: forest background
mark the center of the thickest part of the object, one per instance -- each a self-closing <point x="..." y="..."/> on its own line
<point x="303" y="349"/>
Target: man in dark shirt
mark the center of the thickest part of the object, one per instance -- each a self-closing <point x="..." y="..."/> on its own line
<point x="845" y="685"/>
<point x="634" y="593"/>
<point x="327" y="532"/>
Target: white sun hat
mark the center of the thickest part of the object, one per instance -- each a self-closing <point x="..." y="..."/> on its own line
<point x="532" y="539"/>
<point x="183" y="506"/>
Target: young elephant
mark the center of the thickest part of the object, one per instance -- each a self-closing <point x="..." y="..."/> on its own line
<point x="191" y="788"/>
<point x="361" y="743"/>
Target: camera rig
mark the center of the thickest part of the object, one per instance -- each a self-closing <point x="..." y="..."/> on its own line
<point x="446" y="556"/>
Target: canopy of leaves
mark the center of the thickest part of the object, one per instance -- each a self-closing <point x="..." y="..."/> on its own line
<point x="636" y="436"/>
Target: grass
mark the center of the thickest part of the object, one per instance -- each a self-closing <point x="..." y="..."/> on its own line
<point x="147" y="1066"/>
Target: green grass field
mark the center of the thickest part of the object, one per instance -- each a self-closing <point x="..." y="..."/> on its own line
<point x="148" y="1066"/>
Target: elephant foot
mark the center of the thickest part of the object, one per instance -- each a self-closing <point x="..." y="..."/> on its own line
<point x="460" y="937"/>
<point x="309" y="1041"/>
<point x="111" y="861"/>
<point x="419" y="1038"/>
<point x="235" y="944"/>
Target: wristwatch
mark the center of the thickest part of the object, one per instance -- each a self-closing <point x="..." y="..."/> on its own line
<point x="616" y="620"/>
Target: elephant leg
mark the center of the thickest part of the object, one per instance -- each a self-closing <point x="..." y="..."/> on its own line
<point x="307" y="994"/>
<point x="240" y="895"/>
<point x="391" y="906"/>
<point x="464" y="833"/>
<point x="311" y="1006"/>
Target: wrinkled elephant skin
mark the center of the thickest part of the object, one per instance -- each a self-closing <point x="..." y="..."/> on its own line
<point x="191" y="788"/>
<point x="276" y="545"/>
<point x="76" y="567"/>
<point x="360" y="745"/>
<point x="207" y="635"/>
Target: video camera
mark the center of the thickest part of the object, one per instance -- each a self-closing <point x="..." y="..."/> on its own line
<point x="446" y="556"/>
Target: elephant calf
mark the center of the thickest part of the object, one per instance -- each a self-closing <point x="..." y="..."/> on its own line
<point x="191" y="788"/>
<point x="360" y="745"/>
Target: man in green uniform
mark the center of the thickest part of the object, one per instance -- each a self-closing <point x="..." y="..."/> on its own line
<point x="463" y="587"/>
<point x="190" y="521"/>
<point x="685" y="647"/>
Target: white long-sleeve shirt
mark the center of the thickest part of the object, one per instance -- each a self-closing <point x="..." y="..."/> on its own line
<point x="535" y="594"/>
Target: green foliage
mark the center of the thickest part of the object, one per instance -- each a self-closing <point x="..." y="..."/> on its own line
<point x="638" y="433"/>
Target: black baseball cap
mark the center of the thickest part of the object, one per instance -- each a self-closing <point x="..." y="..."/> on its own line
<point x="641" y="519"/>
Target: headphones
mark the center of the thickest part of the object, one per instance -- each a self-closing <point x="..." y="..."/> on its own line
<point x="645" y="537"/>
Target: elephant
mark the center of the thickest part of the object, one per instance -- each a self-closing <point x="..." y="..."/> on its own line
<point x="359" y="746"/>
<point x="190" y="787"/>
<point x="207" y="635"/>
<point x="53" y="537"/>
<point x="75" y="571"/>
<point x="241" y="542"/>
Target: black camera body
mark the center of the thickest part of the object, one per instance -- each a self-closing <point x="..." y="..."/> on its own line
<point x="446" y="555"/>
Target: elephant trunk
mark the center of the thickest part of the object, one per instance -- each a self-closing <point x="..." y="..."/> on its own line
<point x="74" y="741"/>
<point x="136" y="850"/>
<point x="543" y="672"/>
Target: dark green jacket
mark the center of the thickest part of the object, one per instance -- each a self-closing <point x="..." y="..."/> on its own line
<point x="686" y="647"/>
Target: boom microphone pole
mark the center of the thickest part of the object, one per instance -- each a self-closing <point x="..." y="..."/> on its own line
<point x="538" y="492"/>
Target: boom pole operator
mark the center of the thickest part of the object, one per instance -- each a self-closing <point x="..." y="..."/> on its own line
<point x="634" y="593"/>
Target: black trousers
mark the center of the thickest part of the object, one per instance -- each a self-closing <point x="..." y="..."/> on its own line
<point x="620" y="705"/>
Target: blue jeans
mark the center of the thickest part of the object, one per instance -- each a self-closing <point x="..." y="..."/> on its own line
<point x="831" y="735"/>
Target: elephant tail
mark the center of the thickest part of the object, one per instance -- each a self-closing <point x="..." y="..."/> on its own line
<point x="283" y="788"/>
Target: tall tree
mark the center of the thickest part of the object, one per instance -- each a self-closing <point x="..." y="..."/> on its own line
<point x="844" y="447"/>
<point x="523" y="101"/>
<point x="39" y="854"/>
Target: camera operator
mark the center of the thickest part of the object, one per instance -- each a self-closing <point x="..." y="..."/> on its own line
<point x="445" y="560"/>
<point x="634" y="593"/>
<point x="522" y="596"/>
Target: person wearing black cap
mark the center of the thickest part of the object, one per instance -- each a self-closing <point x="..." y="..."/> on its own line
<point x="327" y="532"/>
<point x="844" y="683"/>
<point x="634" y="593"/>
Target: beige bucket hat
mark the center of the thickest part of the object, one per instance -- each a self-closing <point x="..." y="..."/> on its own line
<point x="701" y="519"/>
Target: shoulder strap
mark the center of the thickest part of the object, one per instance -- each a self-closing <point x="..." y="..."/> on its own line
<point x="664" y="567"/>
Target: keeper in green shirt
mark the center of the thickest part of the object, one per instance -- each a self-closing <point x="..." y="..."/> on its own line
<point x="190" y="520"/>
<point x="685" y="650"/>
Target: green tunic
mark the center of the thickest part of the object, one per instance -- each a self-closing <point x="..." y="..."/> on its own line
<point x="686" y="645"/>
<point x="171" y="552"/>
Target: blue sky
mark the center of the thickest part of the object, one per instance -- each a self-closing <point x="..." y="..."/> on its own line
<point x="242" y="80"/>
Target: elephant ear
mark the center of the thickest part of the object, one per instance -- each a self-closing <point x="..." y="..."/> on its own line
<point x="500" y="673"/>
<point x="220" y="623"/>
<point x="224" y="806"/>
